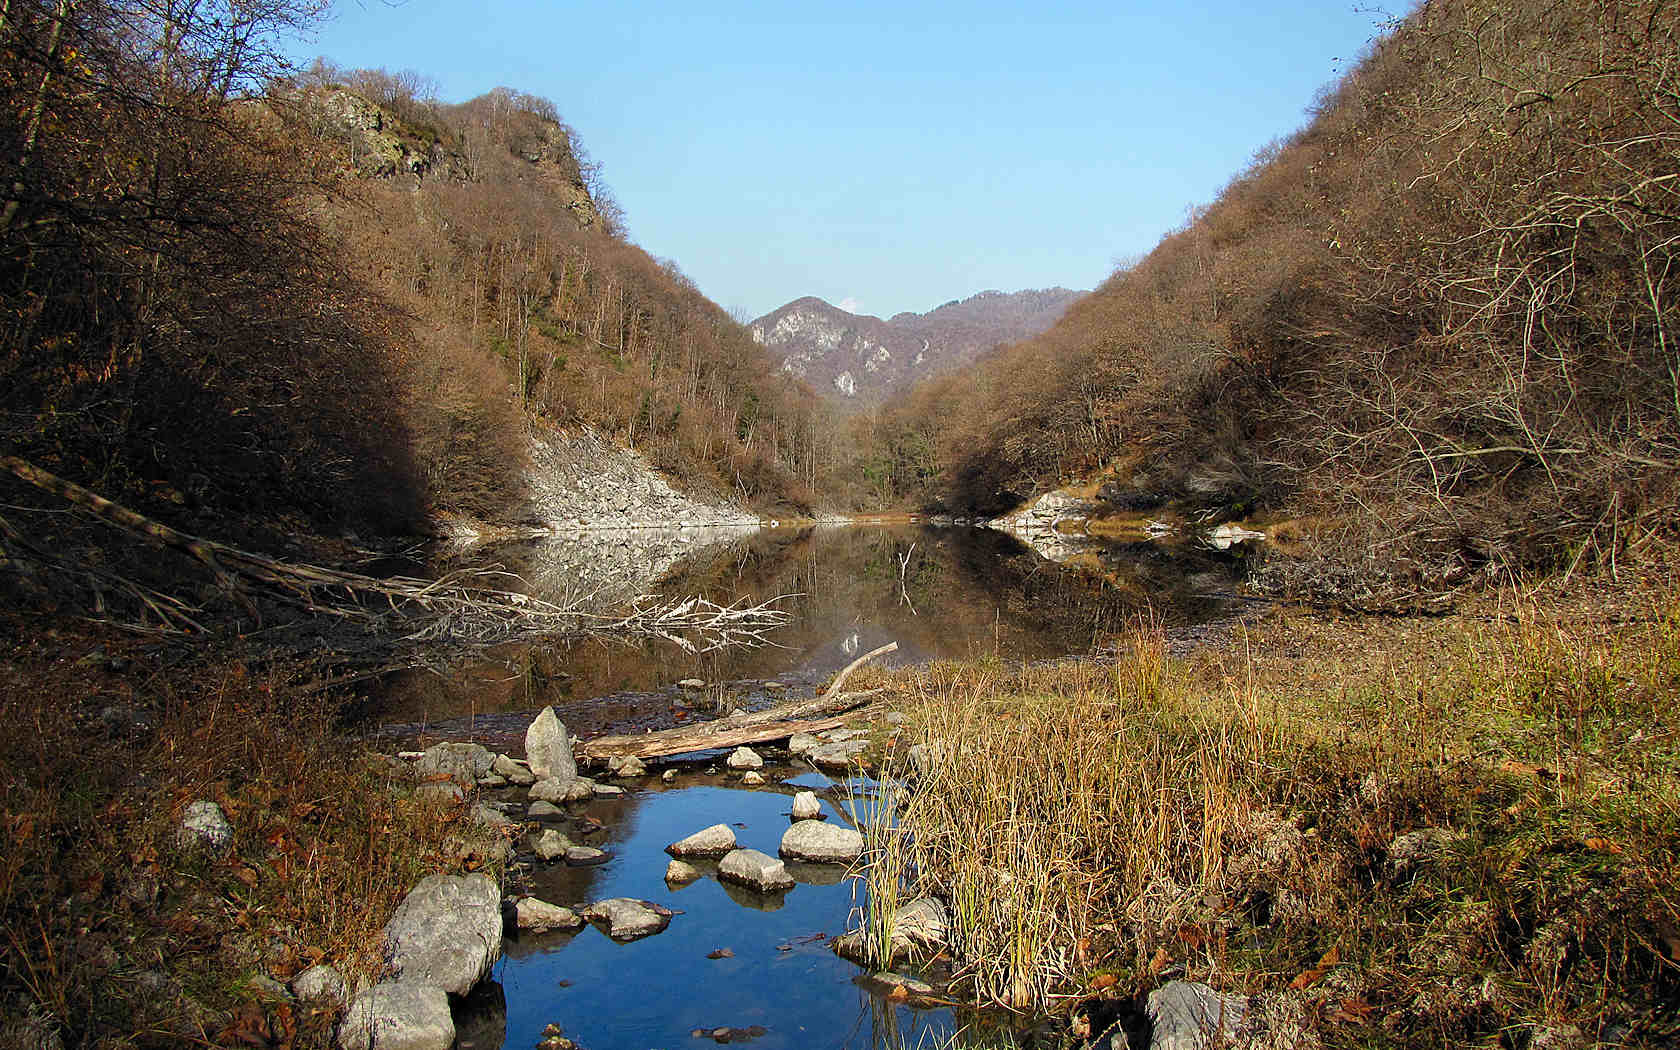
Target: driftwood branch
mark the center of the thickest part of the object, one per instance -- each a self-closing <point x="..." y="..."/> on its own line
<point x="775" y="723"/>
<point x="460" y="611"/>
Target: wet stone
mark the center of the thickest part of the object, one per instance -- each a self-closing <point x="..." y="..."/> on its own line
<point x="755" y="870"/>
<point x="626" y="919"/>
<point x="714" y="841"/>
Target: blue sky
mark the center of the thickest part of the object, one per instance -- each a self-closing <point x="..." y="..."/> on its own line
<point x="887" y="156"/>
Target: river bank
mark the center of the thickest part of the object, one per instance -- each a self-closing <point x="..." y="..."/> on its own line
<point x="1362" y="831"/>
<point x="1370" y="831"/>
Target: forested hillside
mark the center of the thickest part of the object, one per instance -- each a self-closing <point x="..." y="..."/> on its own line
<point x="251" y="304"/>
<point x="1443" y="312"/>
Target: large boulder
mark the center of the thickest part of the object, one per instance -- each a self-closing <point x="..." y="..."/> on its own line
<point x="714" y="841"/>
<point x="821" y="843"/>
<point x="755" y="870"/>
<point x="447" y="932"/>
<point x="462" y="763"/>
<point x="626" y="919"/>
<point x="398" y="1015"/>
<point x="548" y="748"/>
<point x="1185" y="1015"/>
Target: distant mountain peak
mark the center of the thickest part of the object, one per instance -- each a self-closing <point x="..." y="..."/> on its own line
<point x="858" y="358"/>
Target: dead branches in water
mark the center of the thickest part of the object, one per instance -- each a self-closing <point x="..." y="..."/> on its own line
<point x="400" y="617"/>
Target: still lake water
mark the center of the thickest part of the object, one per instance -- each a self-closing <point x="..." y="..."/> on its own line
<point x="938" y="593"/>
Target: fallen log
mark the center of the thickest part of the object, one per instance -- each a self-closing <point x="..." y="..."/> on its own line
<point x="774" y="723"/>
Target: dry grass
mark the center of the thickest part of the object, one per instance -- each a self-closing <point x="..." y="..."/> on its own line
<point x="1241" y="814"/>
<point x="114" y="935"/>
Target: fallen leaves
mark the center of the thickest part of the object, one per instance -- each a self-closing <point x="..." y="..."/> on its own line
<point x="1309" y="977"/>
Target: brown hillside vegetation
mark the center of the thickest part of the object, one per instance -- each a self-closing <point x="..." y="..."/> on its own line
<point x="1443" y="310"/>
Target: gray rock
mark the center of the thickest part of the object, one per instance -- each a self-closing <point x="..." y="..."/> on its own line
<point x="550" y="844"/>
<point x="806" y="805"/>
<point x="548" y="748"/>
<point x="886" y="982"/>
<point x="803" y="743"/>
<point x="841" y="736"/>
<point x="492" y="781"/>
<point x="607" y="791"/>
<point x="583" y="856"/>
<point x="538" y="916"/>
<point x="512" y="770"/>
<point x="820" y="842"/>
<point x="398" y="1015"/>
<point x="755" y="870"/>
<point x="205" y="827"/>
<point x="744" y="758"/>
<point x="714" y="841"/>
<point x="544" y="811"/>
<point x="626" y="919"/>
<point x="447" y="932"/>
<point x="321" y="983"/>
<point x="692" y="684"/>
<point x="267" y="987"/>
<point x="924" y="758"/>
<point x="484" y="816"/>
<point x="445" y="792"/>
<point x="581" y="789"/>
<point x="1186" y="1015"/>
<point x="627" y="767"/>
<point x="897" y="718"/>
<point x="462" y="763"/>
<point x="924" y="923"/>
<point x="838" y="756"/>
<point x="681" y="872"/>
<point x="549" y="790"/>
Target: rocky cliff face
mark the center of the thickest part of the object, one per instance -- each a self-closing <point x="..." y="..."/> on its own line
<point x="858" y="358"/>
<point x="461" y="147"/>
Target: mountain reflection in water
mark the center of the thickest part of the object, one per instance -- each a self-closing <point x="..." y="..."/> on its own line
<point x="939" y="593"/>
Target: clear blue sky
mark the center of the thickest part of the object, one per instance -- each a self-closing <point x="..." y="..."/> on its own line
<point x="887" y="155"/>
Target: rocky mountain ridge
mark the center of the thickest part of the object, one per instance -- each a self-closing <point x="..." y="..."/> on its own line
<point x="858" y="358"/>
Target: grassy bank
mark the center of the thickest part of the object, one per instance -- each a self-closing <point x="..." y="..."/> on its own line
<point x="115" y="936"/>
<point x="1456" y="831"/>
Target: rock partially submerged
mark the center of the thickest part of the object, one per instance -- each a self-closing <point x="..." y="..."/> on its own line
<point x="548" y="748"/>
<point x="398" y="1015"/>
<point x="806" y="806"/>
<point x="838" y="755"/>
<point x="819" y="842"/>
<point x="920" y="929"/>
<point x="755" y="870"/>
<point x="539" y="916"/>
<point x="743" y="758"/>
<point x="626" y="919"/>
<point x="447" y="933"/>
<point x="714" y="841"/>
<point x="681" y="873"/>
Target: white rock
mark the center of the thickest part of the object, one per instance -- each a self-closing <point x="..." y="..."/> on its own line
<point x="628" y="767"/>
<point x="627" y="919"/>
<point x="714" y="841"/>
<point x="205" y="827"/>
<point x="806" y="805"/>
<point x="398" y="1015"/>
<point x="692" y="683"/>
<point x="681" y="872"/>
<point x="536" y="916"/>
<point x="548" y="748"/>
<point x="820" y="842"/>
<point x="669" y="776"/>
<point x="607" y="791"/>
<point x="447" y="932"/>
<point x="744" y="758"/>
<point x="759" y="871"/>
<point x="752" y="778"/>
